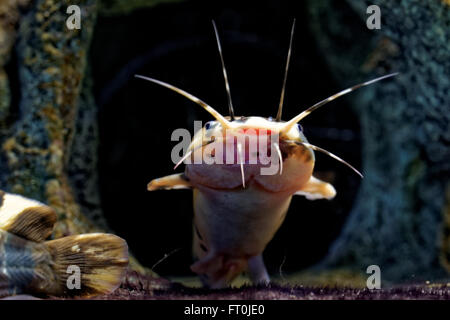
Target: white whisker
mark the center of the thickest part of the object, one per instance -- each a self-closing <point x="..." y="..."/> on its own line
<point x="225" y="76"/>
<point x="239" y="147"/>
<point x="280" y="106"/>
<point x="280" y="157"/>
<point x="328" y="153"/>
<point x="224" y="122"/>
<point x="190" y="152"/>
<point x="288" y="125"/>
<point x="182" y="159"/>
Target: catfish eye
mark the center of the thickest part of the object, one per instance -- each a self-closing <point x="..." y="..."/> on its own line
<point x="300" y="128"/>
<point x="208" y="125"/>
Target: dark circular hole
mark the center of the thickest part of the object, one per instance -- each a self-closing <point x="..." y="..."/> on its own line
<point x="175" y="43"/>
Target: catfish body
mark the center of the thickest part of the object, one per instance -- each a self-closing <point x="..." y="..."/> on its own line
<point x="237" y="208"/>
<point x="232" y="227"/>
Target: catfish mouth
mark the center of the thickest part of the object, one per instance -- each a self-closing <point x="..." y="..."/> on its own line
<point x="261" y="166"/>
<point x="234" y="158"/>
<point x="255" y="151"/>
<point x="251" y="180"/>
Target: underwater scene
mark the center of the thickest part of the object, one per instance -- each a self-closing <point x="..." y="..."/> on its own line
<point x="218" y="150"/>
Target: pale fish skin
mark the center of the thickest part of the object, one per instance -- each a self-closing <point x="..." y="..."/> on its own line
<point x="232" y="223"/>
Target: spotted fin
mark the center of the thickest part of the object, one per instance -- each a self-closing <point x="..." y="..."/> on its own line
<point x="174" y="181"/>
<point x="26" y="218"/>
<point x="317" y="189"/>
<point x="102" y="260"/>
<point x="44" y="268"/>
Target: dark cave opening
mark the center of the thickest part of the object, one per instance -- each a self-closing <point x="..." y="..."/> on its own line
<point x="175" y="43"/>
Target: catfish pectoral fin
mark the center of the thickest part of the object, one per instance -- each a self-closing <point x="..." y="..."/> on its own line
<point x="173" y="181"/>
<point x="317" y="189"/>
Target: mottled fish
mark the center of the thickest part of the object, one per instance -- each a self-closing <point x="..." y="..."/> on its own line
<point x="31" y="265"/>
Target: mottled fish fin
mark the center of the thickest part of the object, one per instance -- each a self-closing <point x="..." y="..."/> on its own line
<point x="317" y="189"/>
<point x="174" y="181"/>
<point x="29" y="219"/>
<point x="100" y="259"/>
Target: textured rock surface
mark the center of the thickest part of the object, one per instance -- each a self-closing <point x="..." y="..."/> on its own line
<point x="51" y="69"/>
<point x="9" y="17"/>
<point x="82" y="166"/>
<point x="397" y="222"/>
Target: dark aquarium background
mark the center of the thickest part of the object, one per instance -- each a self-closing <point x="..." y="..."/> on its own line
<point x="137" y="118"/>
<point x="82" y="134"/>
